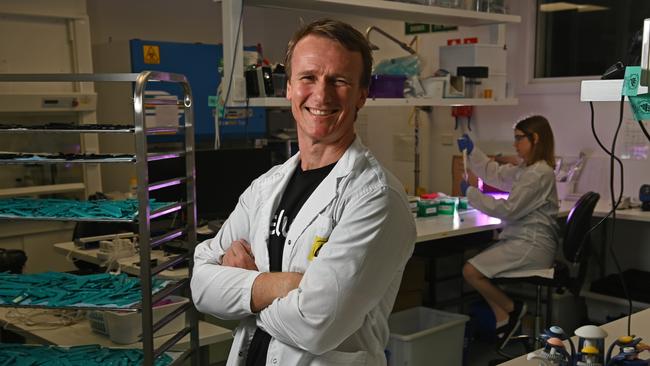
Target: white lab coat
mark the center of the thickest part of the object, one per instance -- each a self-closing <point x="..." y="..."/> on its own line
<point x="338" y="315"/>
<point x="528" y="242"/>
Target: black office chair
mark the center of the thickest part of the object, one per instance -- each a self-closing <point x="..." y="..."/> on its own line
<point x="568" y="274"/>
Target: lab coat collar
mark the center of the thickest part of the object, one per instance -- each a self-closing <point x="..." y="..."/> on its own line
<point x="276" y="182"/>
<point x="326" y="191"/>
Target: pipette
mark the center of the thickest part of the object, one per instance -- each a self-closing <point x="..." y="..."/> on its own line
<point x="465" y="175"/>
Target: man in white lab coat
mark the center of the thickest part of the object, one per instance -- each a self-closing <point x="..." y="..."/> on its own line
<point x="312" y="257"/>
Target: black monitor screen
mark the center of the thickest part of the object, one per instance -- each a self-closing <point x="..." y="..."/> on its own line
<point x="221" y="177"/>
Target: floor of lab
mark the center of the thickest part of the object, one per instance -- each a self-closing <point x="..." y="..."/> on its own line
<point x="483" y="353"/>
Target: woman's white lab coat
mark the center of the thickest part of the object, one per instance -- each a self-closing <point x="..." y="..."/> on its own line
<point x="529" y="239"/>
<point x="338" y="315"/>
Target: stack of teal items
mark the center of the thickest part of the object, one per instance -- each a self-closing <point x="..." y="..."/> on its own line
<point x="59" y="208"/>
<point x="447" y="205"/>
<point x="54" y="289"/>
<point x="440" y="205"/>
<point x="89" y="355"/>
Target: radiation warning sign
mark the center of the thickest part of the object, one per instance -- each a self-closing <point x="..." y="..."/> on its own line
<point x="151" y="54"/>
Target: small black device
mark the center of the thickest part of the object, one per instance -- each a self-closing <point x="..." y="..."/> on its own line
<point x="473" y="72"/>
<point x="616" y="71"/>
<point x="12" y="260"/>
<point x="259" y="82"/>
<point x="644" y="197"/>
<point x="472" y="75"/>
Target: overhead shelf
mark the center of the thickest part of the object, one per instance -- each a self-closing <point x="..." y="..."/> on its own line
<point x="400" y="102"/>
<point x="393" y="10"/>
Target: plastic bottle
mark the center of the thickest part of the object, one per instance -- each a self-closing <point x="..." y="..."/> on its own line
<point x="133" y="188"/>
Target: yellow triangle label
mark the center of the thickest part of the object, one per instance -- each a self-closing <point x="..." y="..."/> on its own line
<point x="151" y="54"/>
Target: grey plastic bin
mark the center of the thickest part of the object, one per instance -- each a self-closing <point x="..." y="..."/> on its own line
<point x="424" y="336"/>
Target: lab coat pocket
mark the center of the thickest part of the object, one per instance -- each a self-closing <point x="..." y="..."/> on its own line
<point x="311" y="242"/>
<point x="338" y="358"/>
<point x="317" y="234"/>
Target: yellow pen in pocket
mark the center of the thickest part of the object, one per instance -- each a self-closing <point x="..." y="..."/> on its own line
<point x="316" y="246"/>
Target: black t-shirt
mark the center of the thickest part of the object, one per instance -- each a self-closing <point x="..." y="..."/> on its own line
<point x="301" y="185"/>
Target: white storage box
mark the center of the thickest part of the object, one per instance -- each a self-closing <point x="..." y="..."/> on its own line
<point x="126" y="327"/>
<point x="490" y="55"/>
<point x="423" y="336"/>
<point x="433" y="87"/>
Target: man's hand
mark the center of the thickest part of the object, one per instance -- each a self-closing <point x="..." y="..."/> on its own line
<point x="269" y="286"/>
<point x="239" y="255"/>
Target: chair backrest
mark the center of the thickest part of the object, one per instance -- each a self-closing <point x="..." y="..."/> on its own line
<point x="576" y="243"/>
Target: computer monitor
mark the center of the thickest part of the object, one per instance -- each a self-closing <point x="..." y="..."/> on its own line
<point x="221" y="177"/>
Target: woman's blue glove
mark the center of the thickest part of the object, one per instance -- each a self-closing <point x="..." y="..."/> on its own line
<point x="465" y="143"/>
<point x="463" y="187"/>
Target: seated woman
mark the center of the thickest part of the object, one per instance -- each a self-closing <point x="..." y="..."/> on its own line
<point x="531" y="233"/>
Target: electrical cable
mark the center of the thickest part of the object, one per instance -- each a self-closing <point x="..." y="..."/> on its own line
<point x="615" y="202"/>
<point x="620" y="163"/>
<point x="217" y="139"/>
<point x="234" y="55"/>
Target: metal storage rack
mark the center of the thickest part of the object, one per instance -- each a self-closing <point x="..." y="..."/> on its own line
<point x="142" y="156"/>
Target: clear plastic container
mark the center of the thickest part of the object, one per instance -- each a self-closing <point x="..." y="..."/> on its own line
<point x="422" y="336"/>
<point x="126" y="327"/>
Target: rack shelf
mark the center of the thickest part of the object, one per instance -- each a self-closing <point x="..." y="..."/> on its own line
<point x="165" y="210"/>
<point x="87" y="129"/>
<point x="45" y="158"/>
<point x="44" y="189"/>
<point x="132" y="309"/>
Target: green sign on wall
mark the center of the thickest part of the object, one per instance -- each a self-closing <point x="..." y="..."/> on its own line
<point x="419" y="28"/>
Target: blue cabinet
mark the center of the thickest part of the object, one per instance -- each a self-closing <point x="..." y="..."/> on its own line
<point x="200" y="64"/>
